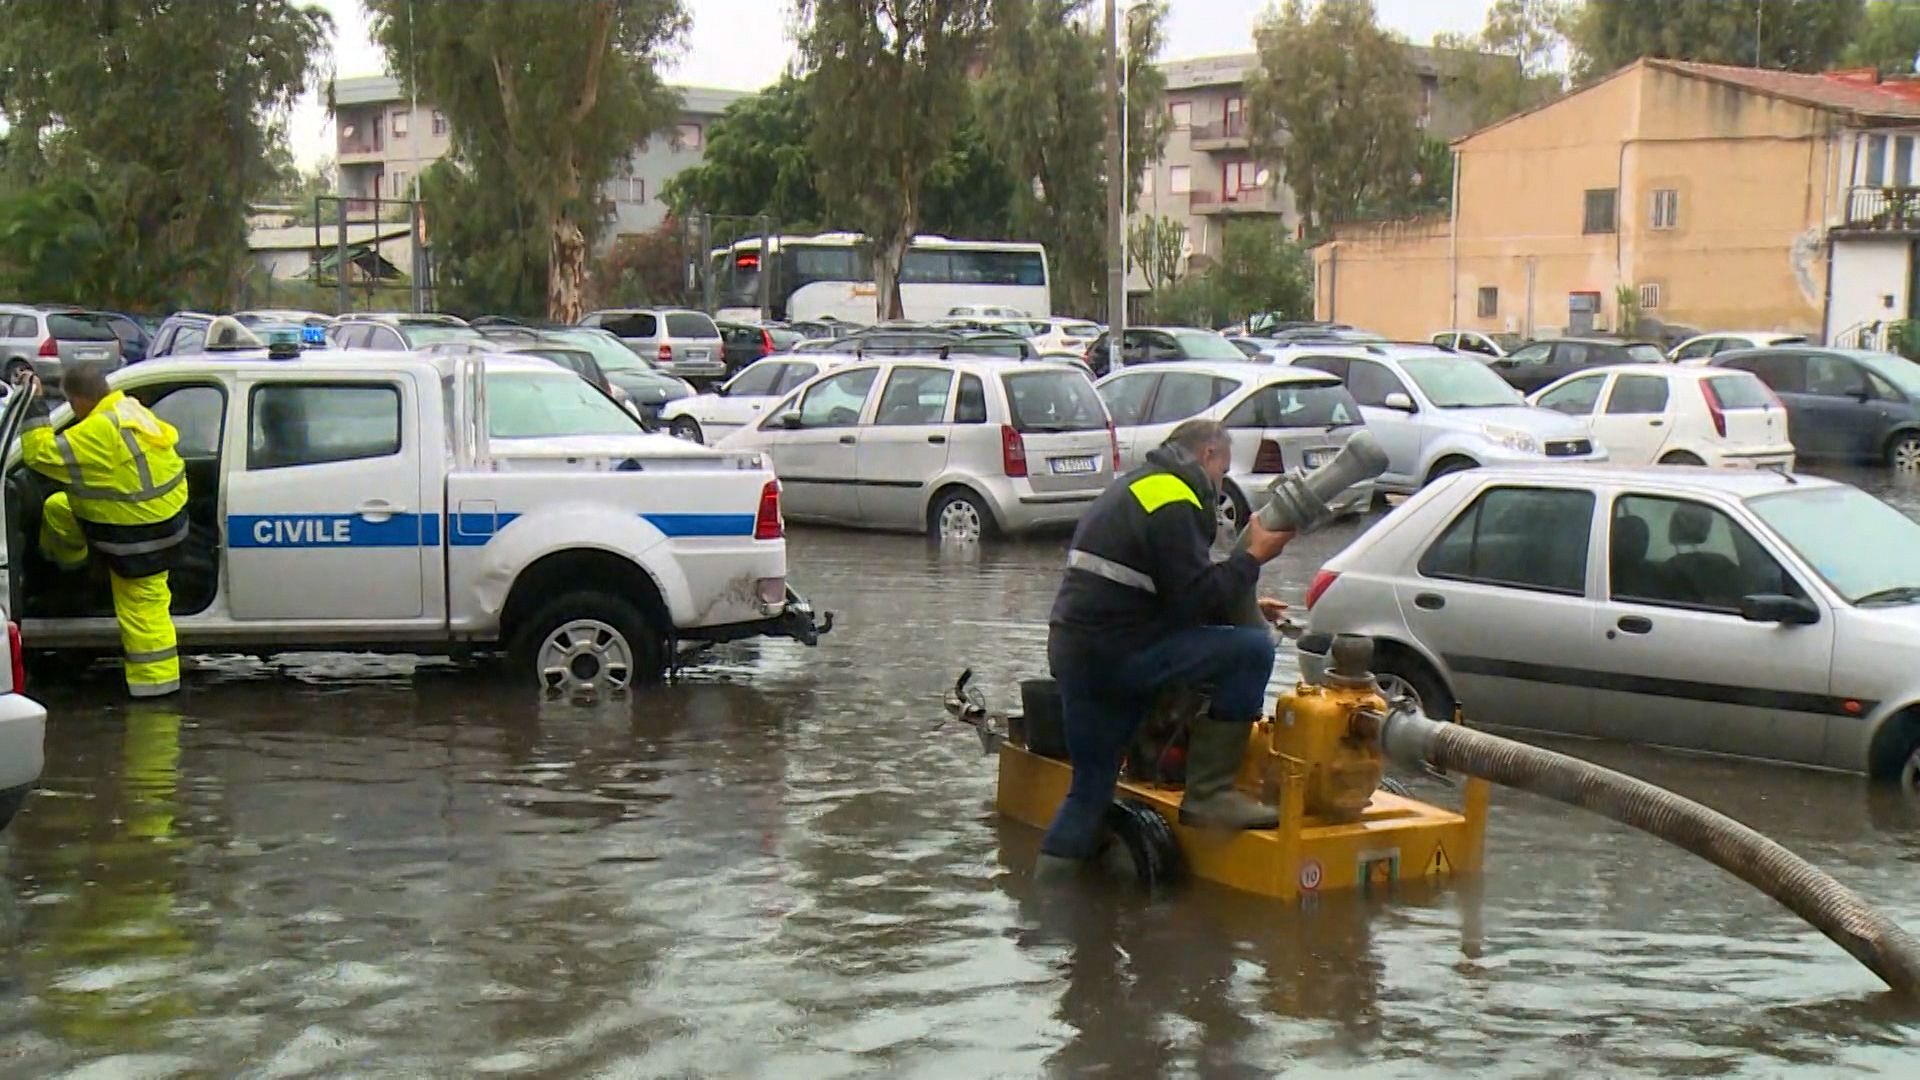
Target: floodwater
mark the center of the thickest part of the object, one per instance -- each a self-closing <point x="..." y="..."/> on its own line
<point x="784" y="866"/>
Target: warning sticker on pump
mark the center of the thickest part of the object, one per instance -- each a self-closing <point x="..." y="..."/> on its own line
<point x="1377" y="871"/>
<point x="1440" y="863"/>
<point x="1309" y="876"/>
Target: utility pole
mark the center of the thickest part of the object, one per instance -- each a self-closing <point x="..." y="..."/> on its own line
<point x="1116" y="228"/>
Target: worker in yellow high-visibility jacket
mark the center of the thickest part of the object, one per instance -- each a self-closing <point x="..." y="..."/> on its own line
<point x="125" y="497"/>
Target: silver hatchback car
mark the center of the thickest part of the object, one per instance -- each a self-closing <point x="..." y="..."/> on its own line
<point x="684" y="344"/>
<point x="1729" y="611"/>
<point x="44" y="340"/>
<point x="960" y="448"/>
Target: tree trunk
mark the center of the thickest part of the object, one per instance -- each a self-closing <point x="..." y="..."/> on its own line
<point x="566" y="269"/>
<point x="887" y="260"/>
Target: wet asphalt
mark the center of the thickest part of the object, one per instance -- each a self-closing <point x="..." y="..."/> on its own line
<point x="784" y="865"/>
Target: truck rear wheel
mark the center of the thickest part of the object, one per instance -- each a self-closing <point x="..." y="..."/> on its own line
<point x="588" y="643"/>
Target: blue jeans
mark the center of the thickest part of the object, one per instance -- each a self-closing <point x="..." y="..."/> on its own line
<point x="1104" y="703"/>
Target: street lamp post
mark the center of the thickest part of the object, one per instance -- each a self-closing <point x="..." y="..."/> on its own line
<point x="1116" y="227"/>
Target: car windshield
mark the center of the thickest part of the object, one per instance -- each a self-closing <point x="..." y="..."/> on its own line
<point x="1509" y="342"/>
<point x="1200" y="345"/>
<point x="420" y="334"/>
<point x="1645" y="354"/>
<point x="1866" y="550"/>
<point x="613" y="355"/>
<point x="1451" y="382"/>
<point x="542" y="405"/>
<point x="1043" y="401"/>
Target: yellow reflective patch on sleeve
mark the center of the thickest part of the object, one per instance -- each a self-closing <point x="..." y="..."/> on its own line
<point x="1159" y="489"/>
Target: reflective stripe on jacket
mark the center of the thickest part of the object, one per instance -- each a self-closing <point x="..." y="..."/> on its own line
<point x="118" y="465"/>
<point x="1141" y="563"/>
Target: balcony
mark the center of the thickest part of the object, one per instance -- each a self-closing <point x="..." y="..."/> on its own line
<point x="1882" y="211"/>
<point x="359" y="140"/>
<point x="1251" y="201"/>
<point x="1227" y="134"/>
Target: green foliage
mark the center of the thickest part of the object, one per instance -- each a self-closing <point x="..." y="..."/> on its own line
<point x="1510" y="65"/>
<point x="543" y="100"/>
<point x="154" y="121"/>
<point x="645" y="268"/>
<point x="892" y="76"/>
<point x="1888" y="39"/>
<point x="57" y="246"/>
<point x="1791" y="35"/>
<point x="1260" y="269"/>
<point x="1154" y="247"/>
<point x="969" y="192"/>
<point x="757" y="161"/>
<point x="1432" y="188"/>
<point x="1627" y="300"/>
<point x="300" y="189"/>
<point x="1043" y="104"/>
<point x="1333" y="102"/>
<point x="489" y="244"/>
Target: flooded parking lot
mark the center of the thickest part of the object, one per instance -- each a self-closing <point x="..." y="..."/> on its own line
<point x="784" y="866"/>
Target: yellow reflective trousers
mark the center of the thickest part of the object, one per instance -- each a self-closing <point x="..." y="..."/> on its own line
<point x="140" y="604"/>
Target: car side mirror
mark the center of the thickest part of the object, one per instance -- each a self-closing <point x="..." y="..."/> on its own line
<point x="719" y="389"/>
<point x="1779" y="608"/>
<point x="1398" y="403"/>
<point x="1863" y="395"/>
<point x="790" y="420"/>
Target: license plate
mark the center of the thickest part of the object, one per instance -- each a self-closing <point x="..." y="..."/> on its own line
<point x="90" y="354"/>
<point x="1317" y="458"/>
<point x="697" y="354"/>
<point x="1068" y="466"/>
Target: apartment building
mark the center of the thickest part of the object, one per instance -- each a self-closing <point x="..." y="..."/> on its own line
<point x="384" y="141"/>
<point x="1710" y="197"/>
<point x="1208" y="174"/>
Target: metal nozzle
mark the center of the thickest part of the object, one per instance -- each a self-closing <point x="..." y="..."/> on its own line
<point x="1351" y="661"/>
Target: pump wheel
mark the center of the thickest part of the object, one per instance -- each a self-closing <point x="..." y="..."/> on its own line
<point x="588" y="643"/>
<point x="1144" y="841"/>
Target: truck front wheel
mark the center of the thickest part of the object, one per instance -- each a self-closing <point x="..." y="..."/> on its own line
<point x="588" y="643"/>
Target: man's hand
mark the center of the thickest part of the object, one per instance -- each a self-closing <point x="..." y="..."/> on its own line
<point x="1265" y="544"/>
<point x="26" y="379"/>
<point x="1270" y="609"/>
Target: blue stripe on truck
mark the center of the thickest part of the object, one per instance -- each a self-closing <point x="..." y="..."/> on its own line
<point x="416" y="530"/>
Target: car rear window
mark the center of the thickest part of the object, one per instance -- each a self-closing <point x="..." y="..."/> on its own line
<point x="1043" y="401"/>
<point x="80" y="328"/>
<point x="692" y="324"/>
<point x="1296" y="405"/>
<point x="1645" y="354"/>
<point x="1740" y="392"/>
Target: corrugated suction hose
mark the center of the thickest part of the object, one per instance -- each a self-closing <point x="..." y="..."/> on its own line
<point x="1873" y="939"/>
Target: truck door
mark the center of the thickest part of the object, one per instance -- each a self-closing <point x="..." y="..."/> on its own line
<point x="324" y="508"/>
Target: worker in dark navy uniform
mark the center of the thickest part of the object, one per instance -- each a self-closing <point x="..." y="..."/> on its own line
<point x="1144" y="606"/>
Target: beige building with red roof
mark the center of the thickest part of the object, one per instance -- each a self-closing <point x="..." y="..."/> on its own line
<point x="1718" y="197"/>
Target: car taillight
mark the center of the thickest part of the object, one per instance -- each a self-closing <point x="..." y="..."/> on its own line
<point x="50" y="349"/>
<point x="1013" y="452"/>
<point x="18" y="656"/>
<point x="767" y="524"/>
<point x="1113" y="446"/>
<point x="1268" y="459"/>
<point x="665" y="354"/>
<point x="766" y="343"/>
<point x="1714" y="409"/>
<point x="1322" y="581"/>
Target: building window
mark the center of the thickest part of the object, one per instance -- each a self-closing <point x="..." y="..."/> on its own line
<point x="1146" y="180"/>
<point x="1238" y="177"/>
<point x="1877" y="160"/>
<point x="1429" y="89"/>
<point x="1182" y="113"/>
<point x="1489" y="305"/>
<point x="689" y="136"/>
<point x="1903" y="161"/>
<point x="1180" y="180"/>
<point x="1650" y="296"/>
<point x="1666" y="208"/>
<point x="439" y="122"/>
<point x="398" y="179"/>
<point x="628" y="189"/>
<point x="1236" y="115"/>
<point x="1600" y="210"/>
<point x="399" y="124"/>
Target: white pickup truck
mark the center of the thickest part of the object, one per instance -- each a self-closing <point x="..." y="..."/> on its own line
<point x="397" y="502"/>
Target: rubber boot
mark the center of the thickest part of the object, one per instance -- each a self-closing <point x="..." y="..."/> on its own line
<point x="1214" y="750"/>
<point x="1053" y="869"/>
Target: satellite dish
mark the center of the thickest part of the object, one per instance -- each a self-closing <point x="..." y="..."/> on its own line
<point x="1265" y="176"/>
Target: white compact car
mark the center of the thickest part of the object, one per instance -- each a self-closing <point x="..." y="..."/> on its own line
<point x="1734" y="611"/>
<point x="1647" y="414"/>
<point x="958" y="448"/>
<point x="1698" y="350"/>
<point x="1436" y="412"/>
<point x="23" y="730"/>
<point x="1281" y="419"/>
<point x="432" y="504"/>
<point x="718" y="413"/>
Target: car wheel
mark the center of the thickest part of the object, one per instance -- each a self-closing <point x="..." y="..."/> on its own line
<point x="1681" y="457"/>
<point x="15" y="370"/>
<point x="589" y="643"/>
<point x="1404" y="676"/>
<point x="960" y="517"/>
<point x="686" y="427"/>
<point x="1909" y="775"/>
<point x="1451" y="465"/>
<point x="1903" y="452"/>
<point x="1232" y="509"/>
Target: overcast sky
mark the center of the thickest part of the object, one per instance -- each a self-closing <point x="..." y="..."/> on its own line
<point x="744" y="44"/>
